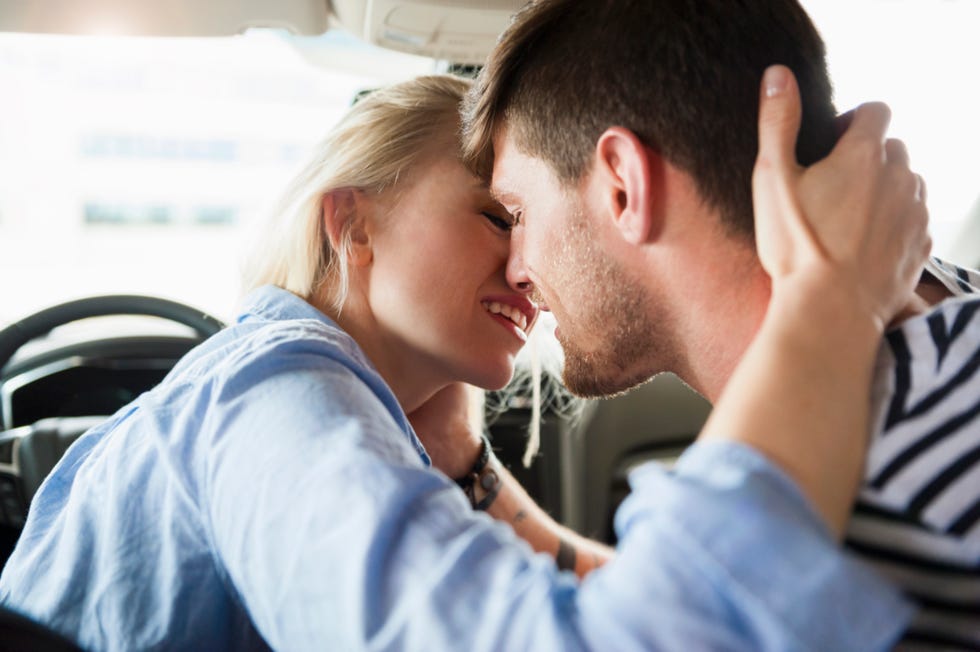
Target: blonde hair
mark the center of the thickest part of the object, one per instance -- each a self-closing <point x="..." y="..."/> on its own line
<point x="377" y="143"/>
<point x="374" y="148"/>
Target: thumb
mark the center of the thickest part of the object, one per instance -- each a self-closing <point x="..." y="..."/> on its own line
<point x="778" y="221"/>
<point x="780" y="113"/>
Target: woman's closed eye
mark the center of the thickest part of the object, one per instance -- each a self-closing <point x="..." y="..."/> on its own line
<point x="502" y="223"/>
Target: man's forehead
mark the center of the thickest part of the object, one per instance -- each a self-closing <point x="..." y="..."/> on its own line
<point x="519" y="178"/>
<point x="515" y="172"/>
<point x="502" y="186"/>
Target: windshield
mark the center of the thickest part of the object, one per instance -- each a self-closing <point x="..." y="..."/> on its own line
<point x="138" y="165"/>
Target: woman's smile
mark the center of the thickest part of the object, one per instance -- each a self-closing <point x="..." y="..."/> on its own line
<point x="515" y="313"/>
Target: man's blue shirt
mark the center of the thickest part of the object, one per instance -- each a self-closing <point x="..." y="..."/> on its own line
<point x="270" y="492"/>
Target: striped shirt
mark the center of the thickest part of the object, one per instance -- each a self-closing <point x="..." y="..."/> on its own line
<point x="917" y="518"/>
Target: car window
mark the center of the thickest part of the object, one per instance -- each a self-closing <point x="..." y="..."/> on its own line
<point x="921" y="57"/>
<point x="138" y="165"/>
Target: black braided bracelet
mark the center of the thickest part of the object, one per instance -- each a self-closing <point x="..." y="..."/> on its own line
<point x="478" y="465"/>
<point x="483" y="476"/>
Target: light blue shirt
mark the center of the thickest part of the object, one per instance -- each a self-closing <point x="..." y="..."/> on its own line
<point x="271" y="492"/>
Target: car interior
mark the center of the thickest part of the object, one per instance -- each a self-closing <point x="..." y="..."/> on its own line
<point x="61" y="370"/>
<point x="53" y="388"/>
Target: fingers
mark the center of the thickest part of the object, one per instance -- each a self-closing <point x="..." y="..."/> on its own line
<point x="898" y="155"/>
<point x="909" y="224"/>
<point x="780" y="113"/>
<point x="895" y="152"/>
<point x="870" y="122"/>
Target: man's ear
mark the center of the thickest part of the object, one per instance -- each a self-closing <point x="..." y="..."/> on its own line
<point x="627" y="184"/>
<point x="346" y="221"/>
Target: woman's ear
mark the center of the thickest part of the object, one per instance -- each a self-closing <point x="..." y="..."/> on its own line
<point x="347" y="223"/>
<point x="628" y="185"/>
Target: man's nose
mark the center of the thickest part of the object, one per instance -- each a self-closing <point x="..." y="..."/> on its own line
<point x="517" y="277"/>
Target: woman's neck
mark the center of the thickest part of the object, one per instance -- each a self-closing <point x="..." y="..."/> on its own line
<point x="412" y="381"/>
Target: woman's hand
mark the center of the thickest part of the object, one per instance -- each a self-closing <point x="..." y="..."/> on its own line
<point x="449" y="425"/>
<point x="853" y="222"/>
<point x="844" y="242"/>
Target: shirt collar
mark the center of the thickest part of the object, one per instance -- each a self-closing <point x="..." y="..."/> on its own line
<point x="271" y="303"/>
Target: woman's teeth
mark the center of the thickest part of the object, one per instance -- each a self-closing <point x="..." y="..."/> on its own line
<point x="509" y="312"/>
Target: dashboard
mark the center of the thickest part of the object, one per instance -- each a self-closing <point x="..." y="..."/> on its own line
<point x="91" y="378"/>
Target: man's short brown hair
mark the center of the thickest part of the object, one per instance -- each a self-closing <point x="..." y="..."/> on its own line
<point x="683" y="75"/>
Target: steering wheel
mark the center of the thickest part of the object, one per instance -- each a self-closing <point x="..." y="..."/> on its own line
<point x="42" y="444"/>
<point x="20" y="333"/>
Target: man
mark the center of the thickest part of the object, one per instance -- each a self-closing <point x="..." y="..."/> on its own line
<point x="621" y="136"/>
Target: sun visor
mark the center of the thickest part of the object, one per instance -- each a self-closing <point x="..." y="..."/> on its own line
<point x="452" y="30"/>
<point x="157" y="18"/>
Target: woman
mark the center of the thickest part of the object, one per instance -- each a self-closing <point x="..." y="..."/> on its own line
<point x="271" y="491"/>
<point x="387" y="177"/>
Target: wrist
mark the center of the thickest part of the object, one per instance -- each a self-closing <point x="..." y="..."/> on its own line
<point x="483" y="481"/>
<point x="824" y="305"/>
<point x="454" y="455"/>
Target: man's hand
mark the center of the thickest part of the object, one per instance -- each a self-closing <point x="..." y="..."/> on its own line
<point x="867" y="236"/>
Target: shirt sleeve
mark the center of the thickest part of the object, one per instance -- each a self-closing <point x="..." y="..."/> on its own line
<point x="741" y="562"/>
<point x="334" y="535"/>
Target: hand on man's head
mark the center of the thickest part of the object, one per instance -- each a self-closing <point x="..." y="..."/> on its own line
<point x="857" y="219"/>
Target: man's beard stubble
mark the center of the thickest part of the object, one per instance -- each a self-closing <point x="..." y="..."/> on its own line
<point x="617" y="309"/>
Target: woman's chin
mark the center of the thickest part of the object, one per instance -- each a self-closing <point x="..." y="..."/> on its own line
<point x="492" y="379"/>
